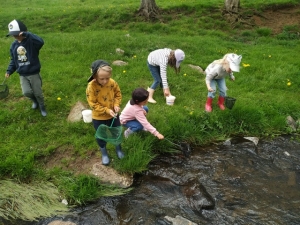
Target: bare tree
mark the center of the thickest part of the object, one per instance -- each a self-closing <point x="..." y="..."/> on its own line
<point x="232" y="13"/>
<point x="148" y="9"/>
<point x="232" y="5"/>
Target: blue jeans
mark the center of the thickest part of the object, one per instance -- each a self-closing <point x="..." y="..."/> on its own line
<point x="97" y="123"/>
<point x="221" y="85"/>
<point x="155" y="72"/>
<point x="135" y="125"/>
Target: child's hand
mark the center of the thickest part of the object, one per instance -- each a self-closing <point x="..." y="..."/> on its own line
<point x="145" y="112"/>
<point x="210" y="89"/>
<point x="117" y="109"/>
<point x="160" y="136"/>
<point x="167" y="92"/>
<point x="112" y="113"/>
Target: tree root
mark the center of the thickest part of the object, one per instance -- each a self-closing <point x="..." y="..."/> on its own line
<point x="237" y="18"/>
<point x="149" y="11"/>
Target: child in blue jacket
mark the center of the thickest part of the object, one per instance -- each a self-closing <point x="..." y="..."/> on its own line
<point x="24" y="52"/>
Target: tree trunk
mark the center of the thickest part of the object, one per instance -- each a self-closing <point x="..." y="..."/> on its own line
<point x="148" y="9"/>
<point x="232" y="5"/>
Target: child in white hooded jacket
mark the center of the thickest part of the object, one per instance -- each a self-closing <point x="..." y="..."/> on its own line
<point x="216" y="73"/>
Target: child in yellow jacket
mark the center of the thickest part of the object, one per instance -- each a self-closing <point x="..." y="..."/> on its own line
<point x="104" y="97"/>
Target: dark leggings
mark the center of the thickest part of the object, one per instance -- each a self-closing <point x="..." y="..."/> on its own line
<point x="97" y="123"/>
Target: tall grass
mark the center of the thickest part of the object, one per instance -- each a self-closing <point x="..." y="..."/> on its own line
<point x="29" y="202"/>
<point x="78" y="32"/>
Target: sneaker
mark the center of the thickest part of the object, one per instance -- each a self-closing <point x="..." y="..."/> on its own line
<point x="127" y="132"/>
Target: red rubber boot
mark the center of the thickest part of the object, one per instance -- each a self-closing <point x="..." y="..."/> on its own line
<point x="221" y="101"/>
<point x="208" y="105"/>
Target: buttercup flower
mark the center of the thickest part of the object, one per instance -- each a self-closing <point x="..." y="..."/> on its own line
<point x="124" y="71"/>
<point x="58" y="99"/>
<point x="289" y="83"/>
<point x="245" y="64"/>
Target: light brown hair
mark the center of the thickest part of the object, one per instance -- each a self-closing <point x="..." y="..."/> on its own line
<point x="172" y="61"/>
<point x="223" y="62"/>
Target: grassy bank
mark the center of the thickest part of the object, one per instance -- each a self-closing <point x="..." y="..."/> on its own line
<point x="78" y="32"/>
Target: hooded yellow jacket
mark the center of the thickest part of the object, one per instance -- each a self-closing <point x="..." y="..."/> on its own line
<point x="103" y="98"/>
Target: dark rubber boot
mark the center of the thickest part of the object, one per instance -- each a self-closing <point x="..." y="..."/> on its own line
<point x="105" y="158"/>
<point x="43" y="110"/>
<point x="119" y="152"/>
<point x="35" y="104"/>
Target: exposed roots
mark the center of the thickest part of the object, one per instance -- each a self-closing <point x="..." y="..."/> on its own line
<point x="149" y="10"/>
<point x="238" y="18"/>
<point x="148" y="14"/>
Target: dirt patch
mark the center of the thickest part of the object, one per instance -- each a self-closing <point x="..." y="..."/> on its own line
<point x="275" y="18"/>
<point x="66" y="159"/>
<point x="279" y="17"/>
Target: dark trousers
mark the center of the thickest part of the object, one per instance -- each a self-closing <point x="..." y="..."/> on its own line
<point x="97" y="123"/>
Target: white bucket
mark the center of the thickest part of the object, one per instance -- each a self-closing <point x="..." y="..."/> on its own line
<point x="87" y="115"/>
<point x="170" y="100"/>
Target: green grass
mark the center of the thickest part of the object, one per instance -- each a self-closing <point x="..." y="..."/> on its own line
<point x="29" y="202"/>
<point x="78" y="32"/>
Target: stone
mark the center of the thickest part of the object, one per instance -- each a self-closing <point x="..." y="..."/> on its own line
<point x="119" y="63"/>
<point x="109" y="175"/>
<point x="291" y="123"/>
<point x="253" y="139"/>
<point x="120" y="51"/>
<point x="75" y="112"/>
<point x="179" y="220"/>
<point x="198" y="68"/>
<point x="227" y="142"/>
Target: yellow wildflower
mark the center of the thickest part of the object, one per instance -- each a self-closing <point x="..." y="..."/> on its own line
<point x="245" y="64"/>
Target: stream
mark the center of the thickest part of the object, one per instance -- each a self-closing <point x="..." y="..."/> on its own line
<point x="235" y="182"/>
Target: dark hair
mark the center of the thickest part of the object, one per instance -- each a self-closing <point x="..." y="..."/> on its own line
<point x="139" y="95"/>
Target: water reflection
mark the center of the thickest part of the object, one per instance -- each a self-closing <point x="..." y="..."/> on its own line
<point x="239" y="183"/>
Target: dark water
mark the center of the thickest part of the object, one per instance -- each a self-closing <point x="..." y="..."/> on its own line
<point x="239" y="183"/>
